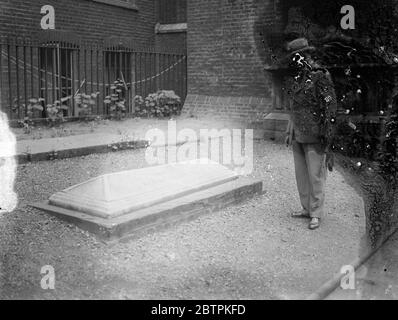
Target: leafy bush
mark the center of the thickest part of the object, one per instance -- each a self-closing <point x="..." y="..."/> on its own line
<point x="115" y="101"/>
<point x="85" y="103"/>
<point x="359" y="140"/>
<point x="34" y="108"/>
<point x="161" y="104"/>
<point x="388" y="155"/>
<point x="55" y="111"/>
<point x="33" y="105"/>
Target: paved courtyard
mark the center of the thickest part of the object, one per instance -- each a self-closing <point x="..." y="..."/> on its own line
<point x="253" y="250"/>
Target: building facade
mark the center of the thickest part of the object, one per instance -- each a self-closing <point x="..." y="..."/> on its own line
<point x="135" y="20"/>
<point x="228" y="45"/>
<point x="90" y="44"/>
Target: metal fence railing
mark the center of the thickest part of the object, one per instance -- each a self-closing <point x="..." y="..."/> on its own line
<point x="53" y="70"/>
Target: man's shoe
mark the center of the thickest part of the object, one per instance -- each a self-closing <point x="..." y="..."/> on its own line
<point x="314" y="223"/>
<point x="300" y="214"/>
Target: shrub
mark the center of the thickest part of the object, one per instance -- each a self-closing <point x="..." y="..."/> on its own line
<point x="34" y="108"/>
<point x="85" y="103"/>
<point x="115" y="101"/>
<point x="161" y="104"/>
<point x="55" y="111"/>
<point x="29" y="113"/>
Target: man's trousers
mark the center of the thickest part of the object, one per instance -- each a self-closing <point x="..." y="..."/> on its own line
<point x="311" y="172"/>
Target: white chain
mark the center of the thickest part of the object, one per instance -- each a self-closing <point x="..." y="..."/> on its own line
<point x="13" y="60"/>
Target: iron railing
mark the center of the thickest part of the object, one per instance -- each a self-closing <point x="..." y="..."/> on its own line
<point x="53" y="70"/>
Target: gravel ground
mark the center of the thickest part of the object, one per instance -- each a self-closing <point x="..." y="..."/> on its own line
<point x="253" y="250"/>
<point x="377" y="278"/>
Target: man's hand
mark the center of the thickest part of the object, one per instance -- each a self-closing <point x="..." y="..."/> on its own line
<point x="330" y="161"/>
<point x="288" y="142"/>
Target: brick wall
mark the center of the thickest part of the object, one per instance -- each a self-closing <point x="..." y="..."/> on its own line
<point x="176" y="41"/>
<point x="85" y="18"/>
<point x="75" y="20"/>
<point x="226" y="54"/>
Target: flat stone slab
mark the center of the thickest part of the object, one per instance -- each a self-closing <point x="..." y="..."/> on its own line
<point x="114" y="205"/>
<point x="115" y="194"/>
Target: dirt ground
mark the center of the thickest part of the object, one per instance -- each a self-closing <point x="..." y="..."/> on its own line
<point x="253" y="250"/>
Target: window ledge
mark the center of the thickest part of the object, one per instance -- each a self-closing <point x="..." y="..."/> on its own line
<point x="170" y="28"/>
<point x="119" y="3"/>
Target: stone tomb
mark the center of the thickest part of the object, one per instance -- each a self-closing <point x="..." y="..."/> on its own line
<point x="117" y="204"/>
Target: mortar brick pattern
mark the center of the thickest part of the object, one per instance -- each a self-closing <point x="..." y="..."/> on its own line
<point x="247" y="109"/>
<point x="226" y="57"/>
<point x="88" y="19"/>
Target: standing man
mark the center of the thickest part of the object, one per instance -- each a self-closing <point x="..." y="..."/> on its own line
<point x="310" y="129"/>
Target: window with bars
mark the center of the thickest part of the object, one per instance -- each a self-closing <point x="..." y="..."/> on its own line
<point x="118" y="66"/>
<point x="56" y="65"/>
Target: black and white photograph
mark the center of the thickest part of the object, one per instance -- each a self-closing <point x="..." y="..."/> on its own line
<point x="217" y="151"/>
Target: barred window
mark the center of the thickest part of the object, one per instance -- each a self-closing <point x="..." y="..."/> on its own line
<point x="118" y="66"/>
<point x="56" y="71"/>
